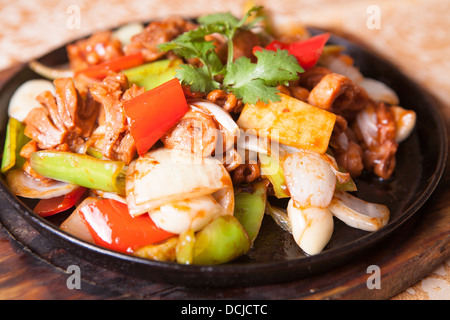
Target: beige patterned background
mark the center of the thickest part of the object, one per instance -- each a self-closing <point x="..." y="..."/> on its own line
<point x="413" y="34"/>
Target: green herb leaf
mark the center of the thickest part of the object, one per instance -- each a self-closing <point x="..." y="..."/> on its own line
<point x="198" y="79"/>
<point x="250" y="81"/>
<point x="219" y="19"/>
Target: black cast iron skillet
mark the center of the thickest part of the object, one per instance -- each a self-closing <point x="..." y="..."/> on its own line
<point x="275" y="258"/>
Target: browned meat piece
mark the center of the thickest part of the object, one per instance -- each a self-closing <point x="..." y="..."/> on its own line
<point x="77" y="114"/>
<point x="67" y="100"/>
<point x="125" y="149"/>
<point x="98" y="48"/>
<point x="338" y="94"/>
<point x="227" y="101"/>
<point x="294" y="90"/>
<point x="40" y="127"/>
<point x="196" y="132"/>
<point x="47" y="99"/>
<point x="87" y="115"/>
<point x="156" y="33"/>
<point x="245" y="173"/>
<point x="108" y="94"/>
<point x="375" y="129"/>
<point x="243" y="44"/>
<point x="311" y="77"/>
<point x="113" y="138"/>
<point x="348" y="153"/>
<point x="132" y="92"/>
<point x="28" y="149"/>
<point x="64" y="120"/>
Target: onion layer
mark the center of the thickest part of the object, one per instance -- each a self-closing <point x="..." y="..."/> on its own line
<point x="23" y="185"/>
<point x="312" y="228"/>
<point x="178" y="217"/>
<point x="24" y="98"/>
<point x="167" y="175"/>
<point x="358" y="213"/>
<point x="309" y="178"/>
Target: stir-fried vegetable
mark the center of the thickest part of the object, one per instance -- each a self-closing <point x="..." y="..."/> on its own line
<point x="126" y="32"/>
<point x="49" y="207"/>
<point x="271" y="169"/>
<point x="154" y="112"/>
<point x="75" y="224"/>
<point x="312" y="227"/>
<point x="112" y="226"/>
<point x="193" y="213"/>
<point x="220" y="241"/>
<point x="24" y="98"/>
<point x="307" y="52"/>
<point x="168" y="175"/>
<point x="50" y="73"/>
<point x="163" y="251"/>
<point x="184" y="251"/>
<point x="358" y="213"/>
<point x="101" y="70"/>
<point x="14" y="141"/>
<point x="23" y="185"/>
<point x="153" y="74"/>
<point x="80" y="169"/>
<point x="249" y="209"/>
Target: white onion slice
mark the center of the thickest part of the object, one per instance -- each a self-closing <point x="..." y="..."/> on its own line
<point x="366" y="120"/>
<point x="249" y="141"/>
<point x="225" y="197"/>
<point x="75" y="226"/>
<point x="405" y="121"/>
<point x="232" y="159"/>
<point x="109" y="195"/>
<point x="24" y="98"/>
<point x="358" y="213"/>
<point x="309" y="178"/>
<point x="51" y="73"/>
<point x="279" y="216"/>
<point x="178" y="217"/>
<point x="342" y="177"/>
<point x="166" y="175"/>
<point x="312" y="228"/>
<point x="222" y="117"/>
<point x="128" y="31"/>
<point x="379" y="91"/>
<point x="337" y="65"/>
<point x="23" y="185"/>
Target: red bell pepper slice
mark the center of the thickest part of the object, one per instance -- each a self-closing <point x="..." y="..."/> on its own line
<point x="306" y="51"/>
<point x="275" y="44"/>
<point x="49" y="207"/>
<point x="152" y="113"/>
<point x="101" y="70"/>
<point x="113" y="227"/>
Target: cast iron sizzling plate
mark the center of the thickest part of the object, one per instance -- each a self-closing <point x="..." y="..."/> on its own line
<point x="275" y="258"/>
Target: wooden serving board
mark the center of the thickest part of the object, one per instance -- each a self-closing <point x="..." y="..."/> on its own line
<point x="31" y="267"/>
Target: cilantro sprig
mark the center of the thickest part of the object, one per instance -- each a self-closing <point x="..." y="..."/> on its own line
<point x="251" y="82"/>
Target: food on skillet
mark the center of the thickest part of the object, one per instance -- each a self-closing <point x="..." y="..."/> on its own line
<point x="169" y="141"/>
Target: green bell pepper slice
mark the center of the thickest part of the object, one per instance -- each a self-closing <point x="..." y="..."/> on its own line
<point x="80" y="169"/>
<point x="222" y="240"/>
<point x="14" y="141"/>
<point x="249" y="207"/>
<point x="153" y="74"/>
<point x="185" y="247"/>
<point x="271" y="169"/>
